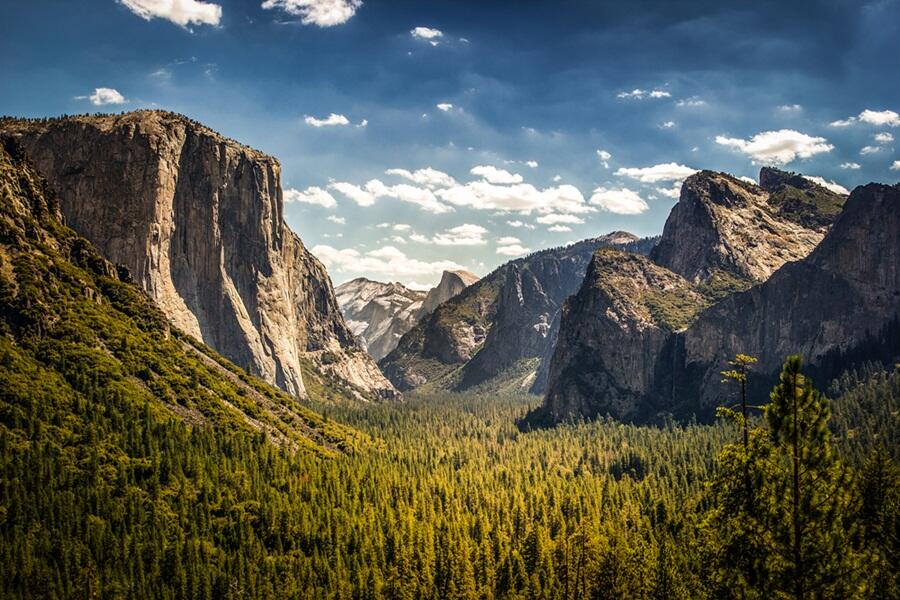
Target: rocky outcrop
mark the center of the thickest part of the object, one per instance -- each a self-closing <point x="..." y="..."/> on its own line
<point x="838" y="306"/>
<point x="197" y="220"/>
<point x="378" y="313"/>
<point x="724" y="229"/>
<point x="502" y="319"/>
<point x="611" y="335"/>
<point x="452" y="283"/>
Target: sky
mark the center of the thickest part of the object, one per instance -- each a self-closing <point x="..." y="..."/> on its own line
<point x="419" y="136"/>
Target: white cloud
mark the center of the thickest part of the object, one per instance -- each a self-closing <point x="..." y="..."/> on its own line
<point x="779" y="147"/>
<point x="508" y="240"/>
<point x="672" y="192"/>
<point x="895" y="166"/>
<point x="103" y="96"/>
<point x="668" y="125"/>
<point x="555" y="219"/>
<point x="532" y="163"/>
<point x="850" y="165"/>
<point x="324" y="13"/>
<point x="424" y="198"/>
<point x="494" y="175"/>
<point x="884" y="137"/>
<point x="398" y="239"/>
<point x="523" y="198"/>
<point x="428" y="177"/>
<point x="790" y="108"/>
<point x="426" y="33"/>
<point x="869" y="150"/>
<point x="656" y="173"/>
<point x="692" y="102"/>
<point x="387" y="261"/>
<point x="604" y="157"/>
<point x="466" y="234"/>
<point x="180" y="12"/>
<point x="354" y="192"/>
<point x="338" y="220"/>
<point x="747" y="179"/>
<point x="558" y="178"/>
<point x="559" y="228"/>
<point x="311" y="195"/>
<point x="444" y="106"/>
<point x="830" y="185"/>
<point x="520" y="224"/>
<point x="638" y="94"/>
<point x="329" y="121"/>
<point x="401" y="227"/>
<point x="513" y="250"/>
<point x="872" y="117"/>
<point x="621" y="202"/>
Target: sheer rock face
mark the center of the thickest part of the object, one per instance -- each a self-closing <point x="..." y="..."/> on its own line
<point x="378" y="313"/>
<point x="197" y="220"/>
<point x="724" y="224"/>
<point x="837" y="306"/>
<point x="452" y="283"/>
<point x="611" y="334"/>
<point x="505" y="317"/>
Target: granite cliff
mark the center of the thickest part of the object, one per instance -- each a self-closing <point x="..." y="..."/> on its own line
<point x="642" y="340"/>
<point x="502" y="322"/>
<point x="451" y="284"/>
<point x="197" y="221"/>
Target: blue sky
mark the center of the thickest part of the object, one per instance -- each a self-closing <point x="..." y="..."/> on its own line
<point x="417" y="136"/>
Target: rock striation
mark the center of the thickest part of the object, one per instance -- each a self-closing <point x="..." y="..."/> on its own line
<point x="505" y="318"/>
<point x="197" y="219"/>
<point x="642" y="340"/>
<point x="451" y="284"/>
<point x="378" y="313"/>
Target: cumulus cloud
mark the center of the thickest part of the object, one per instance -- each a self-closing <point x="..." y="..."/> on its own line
<point x="330" y="121"/>
<point x="788" y="108"/>
<point x="656" y="173"/>
<point x="180" y="12"/>
<point x="311" y="195"/>
<point x="880" y="118"/>
<point x="388" y="261"/>
<point x="532" y="163"/>
<point x="895" y="166"/>
<point x="619" y="201"/>
<point x="869" y="150"/>
<point x="556" y="219"/>
<point x="668" y="125"/>
<point x="523" y="198"/>
<point x="506" y="241"/>
<point x="779" y="147"/>
<point x="444" y="106"/>
<point x="672" y="192"/>
<point x="850" y="165"/>
<point x="426" y="33"/>
<point x="830" y="185"/>
<point x="638" y="94"/>
<point x="323" y="13"/>
<point x="466" y="234"/>
<point x="884" y="137"/>
<point x="520" y="224"/>
<point x="559" y="228"/>
<point x="103" y="96"/>
<point x="511" y="246"/>
<point x="428" y="177"/>
<point x="604" y="157"/>
<point x="338" y="220"/>
<point x="375" y="189"/>
<point x="495" y="175"/>
<point x="354" y="192"/>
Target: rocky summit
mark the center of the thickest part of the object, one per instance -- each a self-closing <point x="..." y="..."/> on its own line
<point x="501" y="323"/>
<point x="643" y="338"/>
<point x="197" y="221"/>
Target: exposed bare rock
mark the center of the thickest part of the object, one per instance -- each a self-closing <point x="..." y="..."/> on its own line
<point x="378" y="313"/>
<point x="197" y="220"/>
<point x="452" y="283"/>
<point x="504" y="318"/>
<point x="724" y="228"/>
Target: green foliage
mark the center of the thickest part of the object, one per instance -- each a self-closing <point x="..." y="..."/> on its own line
<point x="673" y="309"/>
<point x="721" y="284"/>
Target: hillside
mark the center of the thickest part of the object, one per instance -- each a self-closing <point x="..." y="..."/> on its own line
<point x="497" y="323"/>
<point x="197" y="219"/>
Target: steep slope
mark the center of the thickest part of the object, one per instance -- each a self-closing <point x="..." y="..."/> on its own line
<point x="731" y="234"/>
<point x="496" y="323"/>
<point x="452" y="283"/>
<point x="378" y="313"/>
<point x="75" y="335"/>
<point x="838" y="306"/>
<point x="197" y="221"/>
